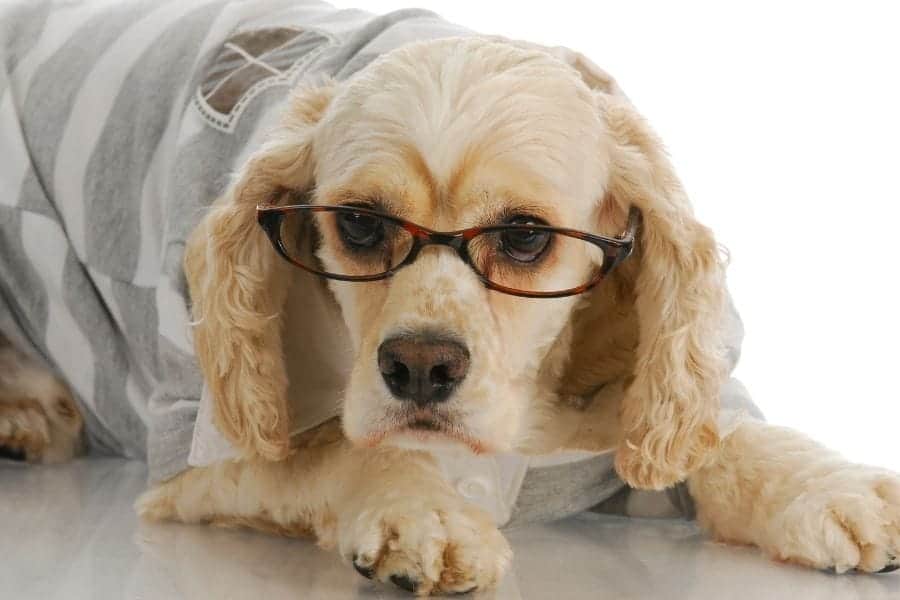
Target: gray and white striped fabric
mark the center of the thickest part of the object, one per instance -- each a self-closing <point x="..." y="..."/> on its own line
<point x="120" y="122"/>
<point x="112" y="144"/>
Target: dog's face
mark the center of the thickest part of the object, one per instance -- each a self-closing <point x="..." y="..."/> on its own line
<point x="451" y="136"/>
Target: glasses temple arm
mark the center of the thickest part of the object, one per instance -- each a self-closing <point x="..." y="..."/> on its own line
<point x="634" y="220"/>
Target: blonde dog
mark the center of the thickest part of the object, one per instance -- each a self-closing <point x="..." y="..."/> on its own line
<point x="396" y="177"/>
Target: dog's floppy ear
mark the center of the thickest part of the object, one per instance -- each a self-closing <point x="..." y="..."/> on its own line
<point x="238" y="286"/>
<point x="669" y="411"/>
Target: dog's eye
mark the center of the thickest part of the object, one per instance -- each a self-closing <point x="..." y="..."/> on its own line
<point x="524" y="245"/>
<point x="360" y="231"/>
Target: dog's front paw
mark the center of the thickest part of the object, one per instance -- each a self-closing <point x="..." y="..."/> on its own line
<point x="850" y="520"/>
<point x="40" y="429"/>
<point x="423" y="549"/>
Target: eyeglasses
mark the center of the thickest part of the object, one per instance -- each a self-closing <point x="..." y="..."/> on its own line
<point x="517" y="257"/>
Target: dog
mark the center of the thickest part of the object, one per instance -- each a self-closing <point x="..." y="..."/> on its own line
<point x="516" y="269"/>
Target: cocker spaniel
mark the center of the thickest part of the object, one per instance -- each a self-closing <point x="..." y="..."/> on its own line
<point x="518" y="270"/>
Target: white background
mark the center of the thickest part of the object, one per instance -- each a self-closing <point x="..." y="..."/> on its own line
<point x="783" y="121"/>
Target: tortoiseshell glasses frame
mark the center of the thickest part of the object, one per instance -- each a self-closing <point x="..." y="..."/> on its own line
<point x="615" y="250"/>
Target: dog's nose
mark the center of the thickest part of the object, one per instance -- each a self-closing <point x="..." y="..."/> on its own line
<point x="423" y="369"/>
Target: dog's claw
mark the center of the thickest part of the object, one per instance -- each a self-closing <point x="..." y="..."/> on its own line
<point x="887" y="569"/>
<point x="425" y="551"/>
<point x="404" y="582"/>
<point x="367" y="572"/>
<point x="466" y="591"/>
<point x="12" y="453"/>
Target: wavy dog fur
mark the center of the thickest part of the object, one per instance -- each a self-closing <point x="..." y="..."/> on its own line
<point x="238" y="287"/>
<point x="670" y="408"/>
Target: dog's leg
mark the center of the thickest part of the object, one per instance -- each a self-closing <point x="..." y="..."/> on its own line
<point x="39" y="420"/>
<point x="388" y="511"/>
<point x="775" y="488"/>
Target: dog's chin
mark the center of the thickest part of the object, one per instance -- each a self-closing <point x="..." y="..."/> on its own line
<point x="418" y="439"/>
<point x="426" y="434"/>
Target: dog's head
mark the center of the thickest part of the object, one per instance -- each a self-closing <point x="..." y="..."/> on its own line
<point x="450" y="135"/>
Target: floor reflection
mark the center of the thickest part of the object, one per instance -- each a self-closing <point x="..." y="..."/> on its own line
<point x="70" y="532"/>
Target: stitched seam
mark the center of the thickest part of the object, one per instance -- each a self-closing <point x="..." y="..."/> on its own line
<point x="226" y="122"/>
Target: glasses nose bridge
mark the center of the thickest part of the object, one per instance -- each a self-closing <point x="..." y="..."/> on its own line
<point x="454" y="240"/>
<point x="425" y="238"/>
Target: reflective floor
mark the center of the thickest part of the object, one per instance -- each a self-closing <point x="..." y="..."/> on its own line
<point x="70" y="533"/>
